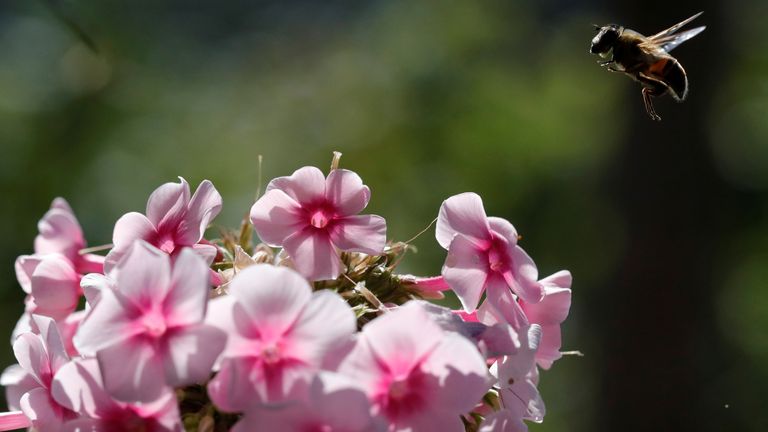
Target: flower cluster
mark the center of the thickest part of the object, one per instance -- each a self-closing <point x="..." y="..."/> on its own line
<point x="311" y="330"/>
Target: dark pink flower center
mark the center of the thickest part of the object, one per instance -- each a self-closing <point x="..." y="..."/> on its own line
<point x="404" y="395"/>
<point x="320" y="218"/>
<point x="154" y="324"/>
<point x="270" y="354"/>
<point x="498" y="255"/>
<point x="166" y="243"/>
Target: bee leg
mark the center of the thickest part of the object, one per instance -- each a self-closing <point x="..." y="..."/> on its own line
<point x="648" y="93"/>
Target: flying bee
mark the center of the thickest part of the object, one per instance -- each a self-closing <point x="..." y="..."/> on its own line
<point x="646" y="59"/>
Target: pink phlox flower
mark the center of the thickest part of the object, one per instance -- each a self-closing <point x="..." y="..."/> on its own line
<point x="51" y="276"/>
<point x="417" y="376"/>
<point x="313" y="217"/>
<point x="330" y="402"/>
<point x="517" y="381"/>
<point x="483" y="255"/>
<point x="549" y="313"/>
<point x="67" y="328"/>
<point x="52" y="285"/>
<point x="173" y="221"/>
<point x="79" y="387"/>
<point x="148" y="332"/>
<point x="40" y="357"/>
<point x="280" y="333"/>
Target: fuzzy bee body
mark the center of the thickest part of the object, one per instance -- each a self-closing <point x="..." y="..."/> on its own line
<point x="646" y="59"/>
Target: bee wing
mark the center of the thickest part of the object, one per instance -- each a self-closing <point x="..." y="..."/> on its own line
<point x="674" y="28"/>
<point x="668" y="43"/>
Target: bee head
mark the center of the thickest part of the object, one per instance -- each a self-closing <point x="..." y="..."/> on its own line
<point x="606" y="36"/>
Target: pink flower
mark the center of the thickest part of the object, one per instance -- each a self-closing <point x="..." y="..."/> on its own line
<point x="52" y="283"/>
<point x="417" y="376"/>
<point x="78" y="386"/>
<point x="51" y="276"/>
<point x="312" y="217"/>
<point x="60" y="233"/>
<point x="148" y="333"/>
<point x="483" y="255"/>
<point x="517" y="379"/>
<point x="329" y="403"/>
<point x="549" y="313"/>
<point x="40" y="357"/>
<point x="280" y="333"/>
<point x="173" y="221"/>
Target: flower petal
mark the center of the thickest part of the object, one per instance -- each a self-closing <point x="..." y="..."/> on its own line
<point x="59" y="231"/>
<point x="325" y="323"/>
<point x="89" y="263"/>
<point x="503" y="228"/>
<point x="273" y="297"/>
<point x="465" y="271"/>
<point x="345" y="190"/>
<point x="32" y="357"/>
<point x="276" y="216"/>
<point x="78" y="386"/>
<point x="227" y="314"/>
<point x="394" y="342"/>
<point x="503" y="303"/>
<point x="55" y="287"/>
<point x="552" y="309"/>
<point x="549" y="347"/>
<point x="203" y="207"/>
<point x="514" y="368"/>
<point x="525" y="279"/>
<point x="502" y="421"/>
<point x="143" y="275"/>
<point x="230" y="389"/>
<point x="313" y="254"/>
<point x="462" y="375"/>
<point x="25" y="266"/>
<point x="462" y="214"/>
<point x="130" y="227"/>
<point x="93" y="284"/>
<point x="362" y="233"/>
<point x="190" y="354"/>
<point x="188" y="296"/>
<point x="16" y="381"/>
<point x="110" y="321"/>
<point x="132" y="371"/>
<point x="54" y="345"/>
<point x="41" y="411"/>
<point x="306" y="185"/>
<point x="14" y="420"/>
<point x="167" y="204"/>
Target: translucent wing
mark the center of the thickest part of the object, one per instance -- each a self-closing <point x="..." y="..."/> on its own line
<point x="668" y="43"/>
<point x="674" y="28"/>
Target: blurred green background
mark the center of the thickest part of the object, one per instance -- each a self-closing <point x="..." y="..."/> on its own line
<point x="664" y="225"/>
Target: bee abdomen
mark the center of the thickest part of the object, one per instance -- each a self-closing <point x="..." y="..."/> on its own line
<point x="672" y="73"/>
